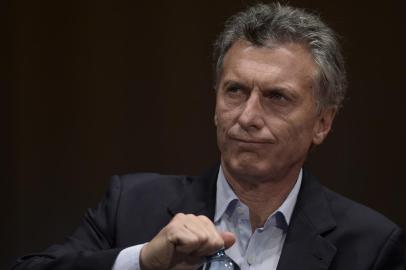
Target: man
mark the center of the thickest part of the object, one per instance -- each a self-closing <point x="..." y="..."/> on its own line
<point x="280" y="80"/>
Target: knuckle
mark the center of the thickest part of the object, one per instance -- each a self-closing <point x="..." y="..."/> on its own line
<point x="177" y="218"/>
<point x="170" y="227"/>
<point x="179" y="215"/>
<point x="203" y="238"/>
<point x="204" y="218"/>
<point x="205" y="221"/>
<point x="190" y="216"/>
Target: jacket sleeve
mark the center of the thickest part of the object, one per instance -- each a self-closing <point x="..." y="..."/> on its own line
<point x="91" y="246"/>
<point x="392" y="254"/>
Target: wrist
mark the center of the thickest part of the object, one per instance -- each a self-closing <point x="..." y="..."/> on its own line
<point x="145" y="260"/>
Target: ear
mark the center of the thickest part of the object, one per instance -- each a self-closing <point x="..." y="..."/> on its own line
<point x="215" y="119"/>
<point x="323" y="124"/>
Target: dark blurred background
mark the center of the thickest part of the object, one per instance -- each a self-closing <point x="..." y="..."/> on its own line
<point x="93" y="88"/>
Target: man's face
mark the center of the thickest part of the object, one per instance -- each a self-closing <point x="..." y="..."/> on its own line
<point x="266" y="114"/>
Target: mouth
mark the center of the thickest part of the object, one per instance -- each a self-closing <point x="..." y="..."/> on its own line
<point x="250" y="141"/>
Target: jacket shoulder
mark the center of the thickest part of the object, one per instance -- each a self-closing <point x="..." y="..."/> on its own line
<point x="356" y="219"/>
<point x="151" y="181"/>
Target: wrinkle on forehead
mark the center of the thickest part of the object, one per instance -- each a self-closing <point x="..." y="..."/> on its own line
<point x="244" y="56"/>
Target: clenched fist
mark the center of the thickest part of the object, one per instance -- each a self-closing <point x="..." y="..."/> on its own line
<point x="183" y="244"/>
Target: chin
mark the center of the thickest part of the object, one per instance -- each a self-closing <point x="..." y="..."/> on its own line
<point x="248" y="168"/>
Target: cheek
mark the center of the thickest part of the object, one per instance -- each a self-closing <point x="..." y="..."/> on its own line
<point x="221" y="124"/>
<point x="224" y="118"/>
<point x="224" y="124"/>
<point x="301" y="136"/>
<point x="291" y="132"/>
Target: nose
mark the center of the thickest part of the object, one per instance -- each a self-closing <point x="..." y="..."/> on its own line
<point x="251" y="118"/>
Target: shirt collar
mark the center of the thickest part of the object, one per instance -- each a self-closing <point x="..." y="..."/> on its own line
<point x="225" y="196"/>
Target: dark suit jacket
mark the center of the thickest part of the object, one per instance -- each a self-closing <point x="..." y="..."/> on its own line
<point x="327" y="231"/>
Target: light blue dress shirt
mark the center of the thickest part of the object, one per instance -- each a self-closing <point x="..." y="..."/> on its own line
<point x="258" y="250"/>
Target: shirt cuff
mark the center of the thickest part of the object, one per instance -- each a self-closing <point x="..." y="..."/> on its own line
<point x="128" y="258"/>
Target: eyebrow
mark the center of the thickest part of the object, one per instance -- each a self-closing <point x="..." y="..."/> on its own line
<point x="285" y="90"/>
<point x="229" y="83"/>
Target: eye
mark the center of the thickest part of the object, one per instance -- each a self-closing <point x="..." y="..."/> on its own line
<point x="277" y="96"/>
<point x="235" y="93"/>
<point x="233" y="89"/>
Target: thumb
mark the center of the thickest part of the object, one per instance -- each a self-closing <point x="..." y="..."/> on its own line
<point x="229" y="239"/>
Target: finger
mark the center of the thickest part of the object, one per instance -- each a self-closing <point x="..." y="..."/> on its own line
<point x="197" y="235"/>
<point x="195" y="225"/>
<point x="191" y="224"/>
<point x="228" y="238"/>
<point x="214" y="241"/>
<point x="204" y="234"/>
<point x="186" y="233"/>
<point x="176" y="244"/>
<point x="184" y="240"/>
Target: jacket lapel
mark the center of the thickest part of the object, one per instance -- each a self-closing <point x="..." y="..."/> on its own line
<point x="198" y="195"/>
<point x="305" y="246"/>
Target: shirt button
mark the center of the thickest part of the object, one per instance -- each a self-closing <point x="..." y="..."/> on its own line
<point x="251" y="260"/>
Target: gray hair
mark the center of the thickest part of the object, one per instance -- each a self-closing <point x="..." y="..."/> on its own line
<point x="275" y="23"/>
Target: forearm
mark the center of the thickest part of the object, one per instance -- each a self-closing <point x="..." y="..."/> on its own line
<point x="64" y="260"/>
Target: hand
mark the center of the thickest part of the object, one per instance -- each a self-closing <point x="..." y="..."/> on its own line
<point x="183" y="244"/>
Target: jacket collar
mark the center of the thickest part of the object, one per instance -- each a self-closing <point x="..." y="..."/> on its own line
<point x="305" y="246"/>
<point x="198" y="195"/>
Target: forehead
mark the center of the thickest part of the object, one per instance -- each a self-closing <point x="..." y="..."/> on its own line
<point x="287" y="63"/>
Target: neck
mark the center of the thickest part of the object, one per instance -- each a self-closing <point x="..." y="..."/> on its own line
<point x="263" y="197"/>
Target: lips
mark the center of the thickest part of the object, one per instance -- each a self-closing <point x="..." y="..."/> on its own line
<point x="250" y="140"/>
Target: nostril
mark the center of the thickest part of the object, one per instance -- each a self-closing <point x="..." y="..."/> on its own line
<point x="250" y="120"/>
